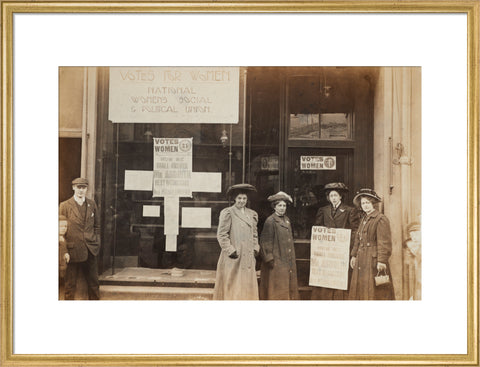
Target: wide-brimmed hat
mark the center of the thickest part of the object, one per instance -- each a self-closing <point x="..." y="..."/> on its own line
<point x="337" y="186"/>
<point x="280" y="196"/>
<point x="365" y="192"/>
<point x="243" y="187"/>
<point x="80" y="181"/>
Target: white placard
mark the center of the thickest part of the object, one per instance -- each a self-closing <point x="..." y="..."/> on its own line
<point x="207" y="95"/>
<point x="151" y="210"/>
<point x="138" y="180"/>
<point x="196" y="217"/>
<point x="206" y="181"/>
<point x="172" y="165"/>
<point x="329" y="256"/>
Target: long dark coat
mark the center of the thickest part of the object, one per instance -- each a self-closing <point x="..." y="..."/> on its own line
<point x="276" y="244"/>
<point x="82" y="235"/>
<point x="345" y="217"/>
<point x="236" y="279"/>
<point x="373" y="243"/>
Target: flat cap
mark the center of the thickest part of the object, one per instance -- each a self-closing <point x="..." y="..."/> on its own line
<point x="80" y="181"/>
<point x="280" y="196"/>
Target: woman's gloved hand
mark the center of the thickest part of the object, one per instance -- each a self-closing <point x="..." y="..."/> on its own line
<point x="381" y="267"/>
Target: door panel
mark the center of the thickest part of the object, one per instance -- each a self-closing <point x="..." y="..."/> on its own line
<point x="307" y="184"/>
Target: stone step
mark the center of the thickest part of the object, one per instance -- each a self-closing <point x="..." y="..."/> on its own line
<point x="118" y="292"/>
<point x="136" y="283"/>
<point x="147" y="277"/>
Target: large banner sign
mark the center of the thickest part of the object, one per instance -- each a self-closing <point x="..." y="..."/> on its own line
<point x="329" y="257"/>
<point x="172" y="167"/>
<point x="207" y="95"/>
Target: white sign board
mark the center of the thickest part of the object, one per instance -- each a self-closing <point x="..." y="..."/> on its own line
<point x="207" y="181"/>
<point x="138" y="180"/>
<point x="316" y="162"/>
<point x="207" y="95"/>
<point x="196" y="217"/>
<point x="151" y="210"/>
<point x="329" y="257"/>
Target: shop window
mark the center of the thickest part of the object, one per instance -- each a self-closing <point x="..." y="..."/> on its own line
<point x="137" y="230"/>
<point x="263" y="145"/>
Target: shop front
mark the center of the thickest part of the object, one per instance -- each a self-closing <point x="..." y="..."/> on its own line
<point x="283" y="128"/>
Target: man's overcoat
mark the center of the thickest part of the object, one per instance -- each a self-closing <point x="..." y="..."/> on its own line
<point x="278" y="282"/>
<point x="82" y="235"/>
<point x="236" y="278"/>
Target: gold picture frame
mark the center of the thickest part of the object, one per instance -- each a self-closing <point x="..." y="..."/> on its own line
<point x="470" y="8"/>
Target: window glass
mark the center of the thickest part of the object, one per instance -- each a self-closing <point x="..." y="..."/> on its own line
<point x="138" y="236"/>
<point x="262" y="147"/>
<point x="318" y="110"/>
<point x="304" y="126"/>
<point x="335" y="126"/>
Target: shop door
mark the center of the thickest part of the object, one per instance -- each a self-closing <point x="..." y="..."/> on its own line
<point x="69" y="165"/>
<point x="309" y="170"/>
<point x="306" y="183"/>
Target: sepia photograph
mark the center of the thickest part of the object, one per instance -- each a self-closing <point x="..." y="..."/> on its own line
<point x="240" y="183"/>
<point x="192" y="157"/>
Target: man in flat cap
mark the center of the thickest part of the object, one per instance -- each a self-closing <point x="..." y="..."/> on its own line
<point x="82" y="238"/>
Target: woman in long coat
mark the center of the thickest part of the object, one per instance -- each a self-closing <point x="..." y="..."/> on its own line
<point x="237" y="235"/>
<point x="371" y="250"/>
<point x="278" y="279"/>
<point x="336" y="215"/>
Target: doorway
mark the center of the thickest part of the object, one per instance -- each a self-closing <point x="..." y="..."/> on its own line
<point x="69" y="165"/>
<point x="309" y="170"/>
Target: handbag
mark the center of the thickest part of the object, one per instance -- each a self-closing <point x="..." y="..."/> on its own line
<point x="382" y="279"/>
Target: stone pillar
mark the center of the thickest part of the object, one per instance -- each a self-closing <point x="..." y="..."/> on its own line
<point x="89" y="125"/>
<point x="397" y="173"/>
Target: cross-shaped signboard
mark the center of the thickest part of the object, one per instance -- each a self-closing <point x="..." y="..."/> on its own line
<point x="172" y="178"/>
